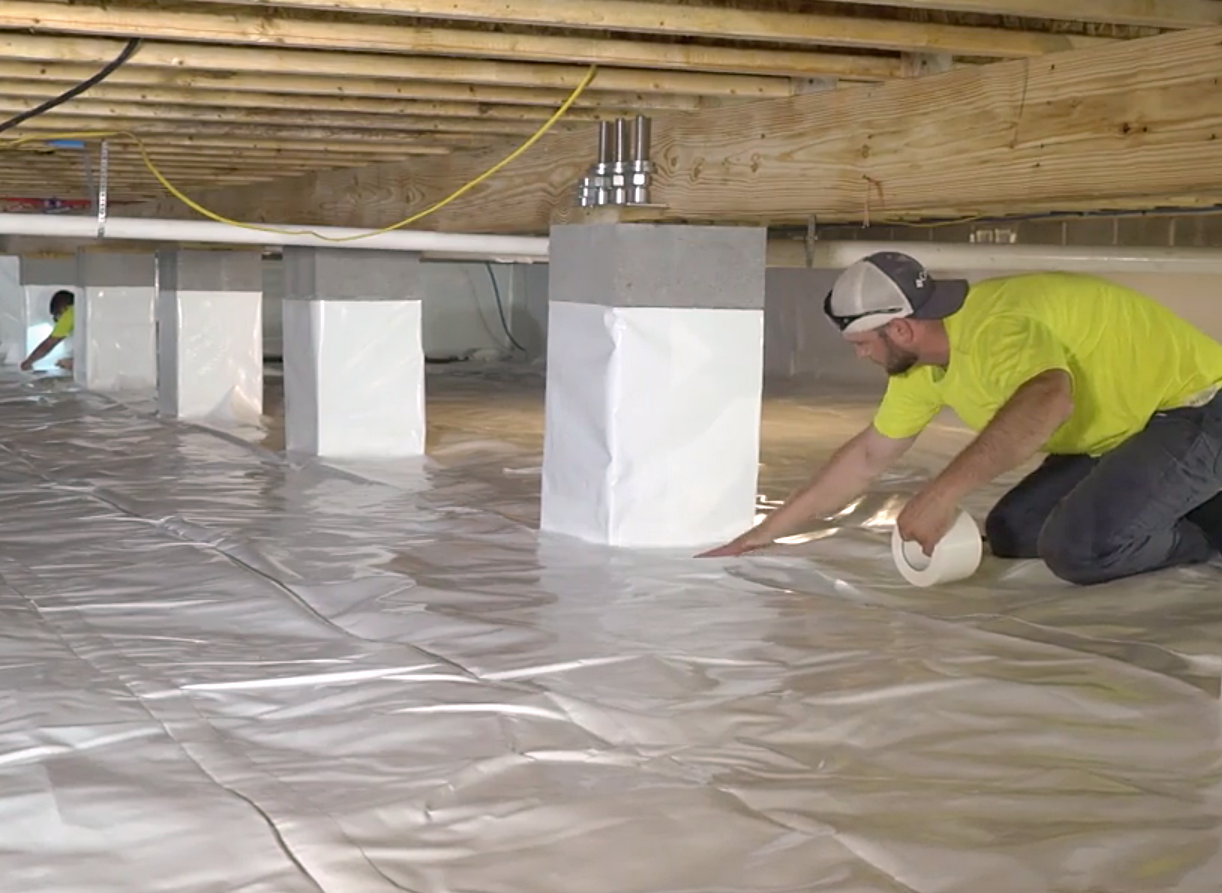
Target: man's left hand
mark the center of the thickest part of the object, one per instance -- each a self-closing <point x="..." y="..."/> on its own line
<point x="927" y="517"/>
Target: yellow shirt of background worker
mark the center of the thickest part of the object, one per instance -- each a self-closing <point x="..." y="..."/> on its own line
<point x="1127" y="357"/>
<point x="64" y="325"/>
<point x="62" y="312"/>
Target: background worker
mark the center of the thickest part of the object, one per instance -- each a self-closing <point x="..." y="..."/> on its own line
<point x="1121" y="393"/>
<point x="62" y="312"/>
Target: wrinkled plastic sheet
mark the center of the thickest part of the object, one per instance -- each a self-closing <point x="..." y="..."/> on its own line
<point x="221" y="671"/>
<point x="210" y="354"/>
<point x="651" y="424"/>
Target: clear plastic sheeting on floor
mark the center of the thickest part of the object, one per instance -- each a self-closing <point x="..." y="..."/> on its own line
<point x="222" y="671"/>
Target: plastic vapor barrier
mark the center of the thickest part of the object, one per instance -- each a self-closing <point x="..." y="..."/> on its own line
<point x="224" y="671"/>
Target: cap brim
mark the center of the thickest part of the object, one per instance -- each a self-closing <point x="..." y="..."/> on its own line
<point x="947" y="299"/>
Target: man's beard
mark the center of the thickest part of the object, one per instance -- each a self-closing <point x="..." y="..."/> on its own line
<point x="898" y="360"/>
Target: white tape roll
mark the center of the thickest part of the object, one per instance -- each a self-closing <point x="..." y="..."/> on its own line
<point x="956" y="556"/>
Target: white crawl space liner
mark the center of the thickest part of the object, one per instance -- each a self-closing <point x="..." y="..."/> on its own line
<point x="221" y="672"/>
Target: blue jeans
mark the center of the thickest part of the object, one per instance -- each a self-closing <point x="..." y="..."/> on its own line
<point x="1146" y="505"/>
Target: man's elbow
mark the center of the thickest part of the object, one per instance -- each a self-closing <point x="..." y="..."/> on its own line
<point x="879" y="452"/>
<point x="1054" y="390"/>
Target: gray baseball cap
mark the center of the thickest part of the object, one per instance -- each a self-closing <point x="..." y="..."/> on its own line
<point x="889" y="285"/>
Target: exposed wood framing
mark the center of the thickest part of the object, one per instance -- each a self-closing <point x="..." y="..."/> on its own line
<point x="337" y="83"/>
<point x="638" y="16"/>
<point x="158" y="99"/>
<point x="184" y="60"/>
<point x="253" y="28"/>
<point x="95" y="114"/>
<point x="1142" y="13"/>
<point x="1135" y="124"/>
<point x="273" y="90"/>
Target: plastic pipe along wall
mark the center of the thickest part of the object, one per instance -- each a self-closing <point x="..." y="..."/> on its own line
<point x="142" y="229"/>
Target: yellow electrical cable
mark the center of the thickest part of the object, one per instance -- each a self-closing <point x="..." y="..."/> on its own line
<point x="195" y="206"/>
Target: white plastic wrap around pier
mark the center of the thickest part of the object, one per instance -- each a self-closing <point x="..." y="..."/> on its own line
<point x="654" y="378"/>
<point x="210" y="364"/>
<point x="354" y="378"/>
<point x="652" y="423"/>
<point x="116" y="322"/>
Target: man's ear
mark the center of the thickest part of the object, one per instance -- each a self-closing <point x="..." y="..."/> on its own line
<point x="901" y="331"/>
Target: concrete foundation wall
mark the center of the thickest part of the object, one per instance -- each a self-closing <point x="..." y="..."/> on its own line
<point x="460" y="309"/>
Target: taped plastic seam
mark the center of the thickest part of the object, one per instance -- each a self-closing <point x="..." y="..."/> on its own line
<point x="211" y="358"/>
<point x="652" y="423"/>
<point x="354" y="378"/>
<point x="115" y="338"/>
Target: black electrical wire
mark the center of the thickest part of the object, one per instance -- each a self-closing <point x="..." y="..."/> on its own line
<point x="500" y="309"/>
<point x="132" y="46"/>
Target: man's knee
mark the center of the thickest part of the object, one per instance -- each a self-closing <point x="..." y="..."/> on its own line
<point x="1008" y="533"/>
<point x="1075" y="552"/>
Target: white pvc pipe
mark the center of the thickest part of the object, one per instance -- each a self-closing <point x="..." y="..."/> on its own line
<point x="142" y="229"/>
<point x="989" y="257"/>
<point x="828" y="255"/>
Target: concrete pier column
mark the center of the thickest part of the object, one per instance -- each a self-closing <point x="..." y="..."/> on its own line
<point x="210" y="334"/>
<point x="654" y="378"/>
<point x="116" y="321"/>
<point x="353" y="354"/>
<point x="12" y="310"/>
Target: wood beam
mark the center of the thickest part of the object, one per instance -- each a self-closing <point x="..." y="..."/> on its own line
<point x="220" y="150"/>
<point x="200" y="159"/>
<point x="57" y="76"/>
<point x="1131" y="124"/>
<point x="257" y="29"/>
<point x="97" y="113"/>
<point x="722" y="23"/>
<point x="122" y="96"/>
<point x="52" y="127"/>
<point x="1139" y="13"/>
<point x="226" y="61"/>
<point x="192" y="139"/>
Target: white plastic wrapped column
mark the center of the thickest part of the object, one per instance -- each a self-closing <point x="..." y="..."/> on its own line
<point x="353" y="355"/>
<point x="654" y="377"/>
<point x="12" y="310"/>
<point x="210" y="334"/>
<point x="41" y="276"/>
<point x="116" y="347"/>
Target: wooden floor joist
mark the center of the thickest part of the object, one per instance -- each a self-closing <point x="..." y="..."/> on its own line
<point x="722" y="22"/>
<point x="167" y="55"/>
<point x="1135" y="123"/>
<point x="1141" y="13"/>
<point x="349" y="82"/>
<point x="258" y="30"/>
<point x="120" y="96"/>
<point x="96" y="114"/>
<point x="53" y="78"/>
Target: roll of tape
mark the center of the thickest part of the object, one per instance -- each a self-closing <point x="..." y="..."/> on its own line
<point x="956" y="556"/>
